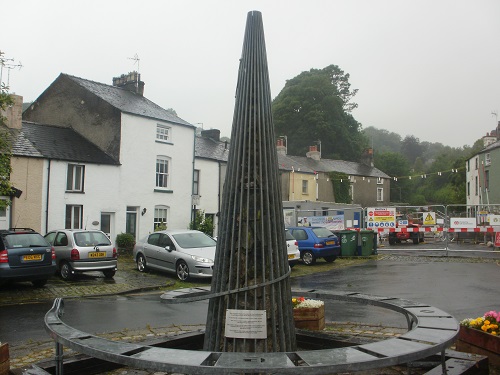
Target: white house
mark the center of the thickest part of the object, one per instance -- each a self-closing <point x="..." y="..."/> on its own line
<point x="91" y="155"/>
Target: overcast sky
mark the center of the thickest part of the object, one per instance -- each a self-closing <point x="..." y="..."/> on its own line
<point x="428" y="68"/>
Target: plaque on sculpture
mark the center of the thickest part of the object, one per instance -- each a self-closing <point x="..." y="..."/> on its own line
<point x="246" y="324"/>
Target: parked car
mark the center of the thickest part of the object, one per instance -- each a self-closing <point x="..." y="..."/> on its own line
<point x="292" y="249"/>
<point x="81" y="250"/>
<point x="316" y="242"/>
<point x="25" y="256"/>
<point x="187" y="253"/>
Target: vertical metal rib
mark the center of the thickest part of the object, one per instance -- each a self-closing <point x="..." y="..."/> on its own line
<point x="251" y="247"/>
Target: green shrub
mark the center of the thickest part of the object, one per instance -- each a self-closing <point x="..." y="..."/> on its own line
<point x="125" y="241"/>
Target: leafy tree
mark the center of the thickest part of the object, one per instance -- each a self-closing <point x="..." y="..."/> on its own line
<point x="411" y="148"/>
<point x="5" y="149"/>
<point x="315" y="106"/>
<point x="382" y="140"/>
<point x="202" y="223"/>
<point x="395" y="165"/>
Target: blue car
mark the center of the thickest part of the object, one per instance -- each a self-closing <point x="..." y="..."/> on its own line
<point x="316" y="242"/>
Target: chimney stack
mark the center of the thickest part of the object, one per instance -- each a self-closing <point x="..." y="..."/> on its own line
<point x="280" y="146"/>
<point x="14" y="113"/>
<point x="211" y="133"/>
<point x="313" y="153"/>
<point x="131" y="82"/>
<point x="367" y="157"/>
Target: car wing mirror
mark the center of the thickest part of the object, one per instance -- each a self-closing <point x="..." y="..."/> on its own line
<point x="168" y="248"/>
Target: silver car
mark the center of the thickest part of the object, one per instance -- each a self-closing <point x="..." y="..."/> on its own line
<point x="79" y="250"/>
<point x="187" y="253"/>
<point x="292" y="249"/>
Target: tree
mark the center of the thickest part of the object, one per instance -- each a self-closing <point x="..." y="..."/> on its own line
<point x="395" y="165"/>
<point x="202" y="223"/>
<point x="411" y="148"/>
<point x="315" y="106"/>
<point x="5" y="149"/>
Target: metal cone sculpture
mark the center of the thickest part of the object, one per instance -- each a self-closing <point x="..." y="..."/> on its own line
<point x="252" y="310"/>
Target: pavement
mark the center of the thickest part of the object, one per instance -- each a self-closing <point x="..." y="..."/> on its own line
<point x="129" y="280"/>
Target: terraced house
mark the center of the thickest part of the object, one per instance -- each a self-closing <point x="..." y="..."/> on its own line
<point x="97" y="156"/>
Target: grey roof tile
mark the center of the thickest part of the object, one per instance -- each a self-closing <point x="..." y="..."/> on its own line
<point x="208" y="148"/>
<point x="127" y="101"/>
<point x="59" y="143"/>
<point x="308" y="165"/>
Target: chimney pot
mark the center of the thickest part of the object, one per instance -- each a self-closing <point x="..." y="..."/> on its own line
<point x="131" y="82"/>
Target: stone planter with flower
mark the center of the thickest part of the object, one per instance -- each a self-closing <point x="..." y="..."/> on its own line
<point x="481" y="336"/>
<point x="308" y="313"/>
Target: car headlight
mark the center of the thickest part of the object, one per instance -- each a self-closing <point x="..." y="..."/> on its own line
<point x="201" y="259"/>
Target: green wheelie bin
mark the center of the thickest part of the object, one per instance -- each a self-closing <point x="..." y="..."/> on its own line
<point x="367" y="240"/>
<point x="348" y="242"/>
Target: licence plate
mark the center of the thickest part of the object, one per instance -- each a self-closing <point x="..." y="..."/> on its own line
<point x="330" y="242"/>
<point x="100" y="254"/>
<point x="32" y="257"/>
<point x="291" y="256"/>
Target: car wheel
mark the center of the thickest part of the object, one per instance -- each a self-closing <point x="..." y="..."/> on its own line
<point x="66" y="271"/>
<point x="108" y="274"/>
<point x="182" y="270"/>
<point x="392" y="241"/>
<point x="308" y="258"/>
<point x="330" y="259"/>
<point x="141" y="263"/>
<point x="39" y="283"/>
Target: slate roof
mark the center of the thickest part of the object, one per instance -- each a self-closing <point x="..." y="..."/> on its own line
<point x="308" y="165"/>
<point x="127" y="101"/>
<point x="209" y="148"/>
<point x="58" y="143"/>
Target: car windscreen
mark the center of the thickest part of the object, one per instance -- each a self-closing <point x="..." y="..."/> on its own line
<point x="84" y="239"/>
<point x="192" y="240"/>
<point x="13" y="241"/>
<point x="323" y="233"/>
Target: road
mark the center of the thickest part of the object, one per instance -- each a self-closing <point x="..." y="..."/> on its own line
<point x="459" y="287"/>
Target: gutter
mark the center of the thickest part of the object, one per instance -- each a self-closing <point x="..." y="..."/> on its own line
<point x="48" y="196"/>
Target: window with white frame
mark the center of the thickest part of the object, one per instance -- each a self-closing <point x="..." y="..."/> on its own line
<point x="305" y="187"/>
<point x="477" y="163"/>
<point x="160" y="216"/>
<point x="163" y="133"/>
<point x="380" y="180"/>
<point x="75" y="178"/>
<point x="487" y="159"/>
<point x="74" y="215"/>
<point x="196" y="182"/>
<point x="162" y="171"/>
<point x="468" y="189"/>
<point x="380" y="194"/>
<point x="476" y="187"/>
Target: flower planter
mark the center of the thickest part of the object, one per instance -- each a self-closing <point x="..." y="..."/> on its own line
<point x="310" y="318"/>
<point x="4" y="359"/>
<point x="475" y="341"/>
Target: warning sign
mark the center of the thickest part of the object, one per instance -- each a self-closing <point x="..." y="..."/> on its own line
<point x="497" y="239"/>
<point x="381" y="217"/>
<point x="430" y="218"/>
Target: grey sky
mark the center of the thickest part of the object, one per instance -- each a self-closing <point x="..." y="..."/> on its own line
<point x="428" y="68"/>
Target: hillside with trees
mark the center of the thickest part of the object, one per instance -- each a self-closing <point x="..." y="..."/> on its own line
<point x="317" y="106"/>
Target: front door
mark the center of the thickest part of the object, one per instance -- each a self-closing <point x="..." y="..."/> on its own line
<point x="4" y="218"/>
